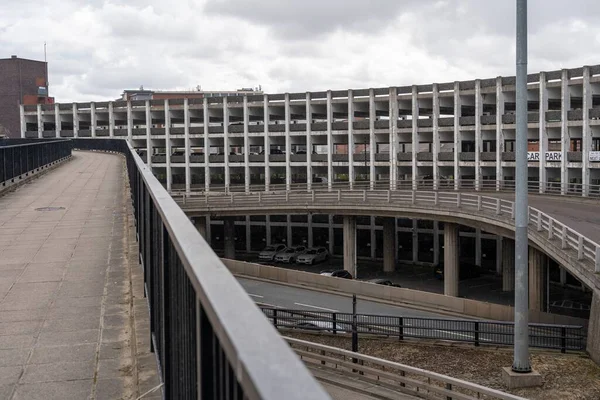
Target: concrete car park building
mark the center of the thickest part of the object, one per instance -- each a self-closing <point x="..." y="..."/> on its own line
<point x="442" y="136"/>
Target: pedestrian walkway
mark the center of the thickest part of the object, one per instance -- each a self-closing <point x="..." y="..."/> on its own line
<point x="73" y="320"/>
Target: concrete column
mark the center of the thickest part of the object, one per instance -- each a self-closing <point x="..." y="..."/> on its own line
<point x="415" y="241"/>
<point x="310" y="232"/>
<point x="111" y="120"/>
<point x="148" y="138"/>
<point x="563" y="276"/>
<point x="206" y="123"/>
<point x="329" y="141"/>
<point x="268" y="229"/>
<point x="186" y="142"/>
<point x="537" y="284"/>
<point x="478" y="113"/>
<point x="543" y="137"/>
<point x="308" y="144"/>
<point x="350" y="244"/>
<point x="586" y="134"/>
<point x="246" y="146"/>
<point x="436" y="137"/>
<point x="267" y="143"/>
<point x="331" y="238"/>
<point x="478" y="247"/>
<point x="129" y="121"/>
<point x="350" y="138"/>
<point x="457" y="113"/>
<point x="226" y="142"/>
<point x="436" y="243"/>
<point x="499" y="132"/>
<point x="508" y="265"/>
<point x="451" y="271"/>
<point x="200" y="224"/>
<point x="564" y="129"/>
<point x="229" y="233"/>
<point x="499" y="242"/>
<point x="593" y="341"/>
<point x="372" y="116"/>
<point x="93" y="121"/>
<point x="415" y="136"/>
<point x="57" y="121"/>
<point x="23" y="126"/>
<point x="389" y="244"/>
<point x="393" y="139"/>
<point x="76" y="120"/>
<point x="373" y="238"/>
<point x="288" y="142"/>
<point x="248" y="234"/>
<point x="289" y="239"/>
<point x="40" y="122"/>
<point x="168" y="147"/>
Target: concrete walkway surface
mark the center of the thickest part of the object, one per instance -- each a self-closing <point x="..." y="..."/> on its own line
<point x="73" y="320"/>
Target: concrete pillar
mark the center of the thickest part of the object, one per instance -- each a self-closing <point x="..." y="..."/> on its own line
<point x="415" y="136"/>
<point x="76" y="120"/>
<point x="393" y="138"/>
<point x="331" y="235"/>
<point x="129" y="122"/>
<point x="586" y="135"/>
<point x="478" y="141"/>
<point x="226" y="142"/>
<point x="593" y="340"/>
<point x="415" y="242"/>
<point x="111" y="120"/>
<point x="200" y="224"/>
<point x="508" y="265"/>
<point x="563" y="276"/>
<point x="564" y="129"/>
<point x="308" y="144"/>
<point x="267" y="143"/>
<point x="436" y="243"/>
<point x="206" y="122"/>
<point x="288" y="143"/>
<point x="310" y="232"/>
<point x="329" y="140"/>
<point x="186" y="141"/>
<point x="148" y="138"/>
<point x="229" y="233"/>
<point x="40" y="123"/>
<point x="350" y="244"/>
<point x="451" y="271"/>
<point x="543" y="137"/>
<point x="350" y="139"/>
<point x="372" y="116"/>
<point x="537" y="284"/>
<point x="93" y="122"/>
<point x="389" y="244"/>
<point x="246" y="113"/>
<point x="436" y="139"/>
<point x="499" y="242"/>
<point x="168" y="146"/>
<point x="248" y="234"/>
<point x="499" y="132"/>
<point x="57" y="120"/>
<point x="478" y="247"/>
<point x="23" y="126"/>
<point x="457" y="115"/>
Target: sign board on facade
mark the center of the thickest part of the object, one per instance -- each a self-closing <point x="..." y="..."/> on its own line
<point x="595" y="156"/>
<point x="550" y="156"/>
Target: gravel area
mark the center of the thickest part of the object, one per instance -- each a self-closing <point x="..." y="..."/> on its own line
<point x="565" y="376"/>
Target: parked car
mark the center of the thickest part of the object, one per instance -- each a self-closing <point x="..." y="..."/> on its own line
<point x="382" y="281"/>
<point x="269" y="252"/>
<point x="313" y="256"/>
<point x="338" y="273"/>
<point x="466" y="271"/>
<point x="318" y="326"/>
<point x="290" y="254"/>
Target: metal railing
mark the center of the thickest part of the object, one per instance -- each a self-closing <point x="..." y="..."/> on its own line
<point x="391" y="375"/>
<point x="21" y="157"/>
<point x="558" y="337"/>
<point x="211" y="340"/>
<point x="554" y="233"/>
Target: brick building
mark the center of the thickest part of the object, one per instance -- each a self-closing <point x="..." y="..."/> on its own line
<point x="22" y="81"/>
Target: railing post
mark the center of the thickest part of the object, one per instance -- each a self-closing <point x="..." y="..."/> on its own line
<point x="458" y="199"/>
<point x="400" y="328"/>
<point x="333" y="320"/>
<point x="564" y="237"/>
<point x="476" y="333"/>
<point x="550" y="229"/>
<point x="498" y="207"/>
<point x="389" y="199"/>
<point x="478" y="203"/>
<point x="580" y="248"/>
<point x="275" y="317"/>
<point x="259" y="197"/>
<point x="436" y="198"/>
<point x="449" y="387"/>
<point x="413" y="197"/>
<point x="231" y="197"/>
<point x="339" y="195"/>
<point x="512" y="211"/>
<point x="539" y="221"/>
<point x="563" y="339"/>
<point x="287" y="196"/>
<point x="597" y="260"/>
<point x="313" y="195"/>
<point x="364" y="195"/>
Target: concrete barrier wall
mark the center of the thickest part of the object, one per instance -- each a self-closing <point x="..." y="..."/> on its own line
<point x="401" y="296"/>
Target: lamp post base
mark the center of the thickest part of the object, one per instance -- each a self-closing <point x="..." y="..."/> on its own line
<point x="516" y="380"/>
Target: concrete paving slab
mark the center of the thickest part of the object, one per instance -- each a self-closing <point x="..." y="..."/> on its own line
<point x="66" y="307"/>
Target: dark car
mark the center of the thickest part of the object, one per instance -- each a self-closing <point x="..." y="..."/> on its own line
<point x="338" y="273"/>
<point x="385" y="282"/>
<point x="466" y="271"/>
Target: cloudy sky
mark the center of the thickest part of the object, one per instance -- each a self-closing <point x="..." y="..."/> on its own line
<point x="97" y="48"/>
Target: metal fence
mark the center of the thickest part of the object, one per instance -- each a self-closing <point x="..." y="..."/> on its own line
<point x="211" y="340"/>
<point x="560" y="337"/>
<point x="21" y="157"/>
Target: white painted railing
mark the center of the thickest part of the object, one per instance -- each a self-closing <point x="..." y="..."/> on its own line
<point x="391" y="375"/>
<point x="586" y="250"/>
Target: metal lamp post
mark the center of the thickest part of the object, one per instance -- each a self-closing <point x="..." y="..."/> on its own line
<point x="521" y="351"/>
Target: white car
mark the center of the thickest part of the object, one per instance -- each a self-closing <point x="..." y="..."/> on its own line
<point x="290" y="254"/>
<point x="269" y="252"/>
<point x="313" y="256"/>
<point x="327" y="326"/>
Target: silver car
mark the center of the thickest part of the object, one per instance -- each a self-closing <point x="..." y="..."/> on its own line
<point x="290" y="254"/>
<point x="269" y="252"/>
<point x="313" y="256"/>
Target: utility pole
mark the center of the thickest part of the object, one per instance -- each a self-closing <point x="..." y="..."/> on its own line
<point x="521" y="351"/>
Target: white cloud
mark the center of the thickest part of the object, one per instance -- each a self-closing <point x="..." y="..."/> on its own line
<point x="98" y="49"/>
